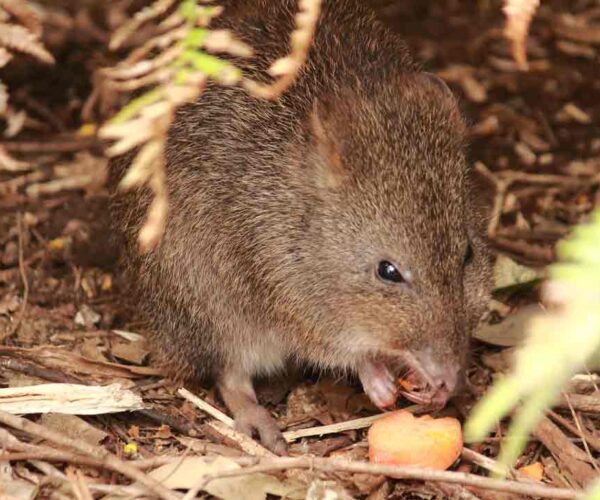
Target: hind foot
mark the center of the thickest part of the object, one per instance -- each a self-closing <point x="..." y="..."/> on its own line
<point x="250" y="418"/>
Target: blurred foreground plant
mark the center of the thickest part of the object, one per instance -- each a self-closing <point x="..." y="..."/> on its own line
<point x="561" y="342"/>
<point x="519" y="14"/>
<point x="176" y="64"/>
<point x="20" y="32"/>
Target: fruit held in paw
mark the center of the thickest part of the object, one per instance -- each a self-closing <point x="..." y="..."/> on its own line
<point x="400" y="438"/>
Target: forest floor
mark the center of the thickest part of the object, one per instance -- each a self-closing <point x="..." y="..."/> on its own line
<point x="65" y="315"/>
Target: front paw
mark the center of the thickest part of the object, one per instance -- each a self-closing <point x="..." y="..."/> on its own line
<point x="379" y="384"/>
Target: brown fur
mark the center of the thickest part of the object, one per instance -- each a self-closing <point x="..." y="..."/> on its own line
<point x="280" y="212"/>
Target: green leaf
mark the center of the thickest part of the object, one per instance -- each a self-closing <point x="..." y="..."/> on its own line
<point x="133" y="107"/>
<point x="593" y="493"/>
<point x="559" y="342"/>
<point x="188" y="9"/>
<point x="511" y="331"/>
<point x="212" y="66"/>
<point x="195" y="38"/>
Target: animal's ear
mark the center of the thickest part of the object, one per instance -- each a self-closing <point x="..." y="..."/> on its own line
<point x="329" y="166"/>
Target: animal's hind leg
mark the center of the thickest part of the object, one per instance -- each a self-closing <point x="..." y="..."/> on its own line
<point x="237" y="392"/>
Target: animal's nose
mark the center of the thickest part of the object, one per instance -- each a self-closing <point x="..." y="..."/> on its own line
<point x="444" y="378"/>
<point x="443" y="372"/>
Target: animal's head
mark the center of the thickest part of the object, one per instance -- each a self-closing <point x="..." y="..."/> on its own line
<point x="401" y="250"/>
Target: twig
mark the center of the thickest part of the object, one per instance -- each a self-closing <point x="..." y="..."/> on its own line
<point x="398" y="472"/>
<point x="591" y="440"/>
<point x="572" y="459"/>
<point x="108" y="460"/>
<point x="581" y="433"/>
<point x="246" y="443"/>
<point x="78" y="484"/>
<point x="205" y="407"/>
<point x="57" y="146"/>
<point x="485" y="462"/>
<point x="589" y="403"/>
<point x="535" y="253"/>
<point x="501" y="186"/>
<point x="224" y="426"/>
<point x="43" y="453"/>
<point x="513" y="176"/>
<point x="24" y="279"/>
<point x="350" y="425"/>
<point x="33" y="370"/>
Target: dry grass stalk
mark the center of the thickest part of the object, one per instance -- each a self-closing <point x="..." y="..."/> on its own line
<point x="287" y="68"/>
<point x="24" y="13"/>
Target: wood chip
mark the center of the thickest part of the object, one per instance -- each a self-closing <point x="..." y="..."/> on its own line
<point x="572" y="460"/>
<point x="525" y="154"/>
<point x="71" y="399"/>
<point x="576" y="49"/>
<point x="572" y="113"/>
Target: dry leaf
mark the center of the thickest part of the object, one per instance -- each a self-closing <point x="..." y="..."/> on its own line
<point x="54" y="357"/>
<point x="511" y="331"/>
<point x="14" y="488"/>
<point x="73" y="427"/>
<point x="188" y="473"/>
<point x="133" y="352"/>
<point x="509" y="273"/>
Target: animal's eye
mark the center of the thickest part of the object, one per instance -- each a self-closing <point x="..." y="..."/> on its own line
<point x="468" y="258"/>
<point x="388" y="272"/>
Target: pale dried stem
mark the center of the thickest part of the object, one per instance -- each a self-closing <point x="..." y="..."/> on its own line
<point x="24" y="13"/>
<point x="140" y="68"/>
<point x="160" y="76"/>
<point x="141" y="17"/>
<point x="205" y="407"/>
<point x="158" y="42"/>
<point x="287" y="69"/>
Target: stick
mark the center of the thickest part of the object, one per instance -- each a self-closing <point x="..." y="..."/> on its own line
<point x="581" y="434"/>
<point x="109" y="460"/>
<point x="592" y="441"/>
<point x="350" y="425"/>
<point x="24" y="279"/>
<point x="224" y="426"/>
<point x="205" y="407"/>
<point x="399" y="472"/>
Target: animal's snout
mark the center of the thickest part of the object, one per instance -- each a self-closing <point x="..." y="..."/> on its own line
<point x="443" y="376"/>
<point x="434" y="379"/>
